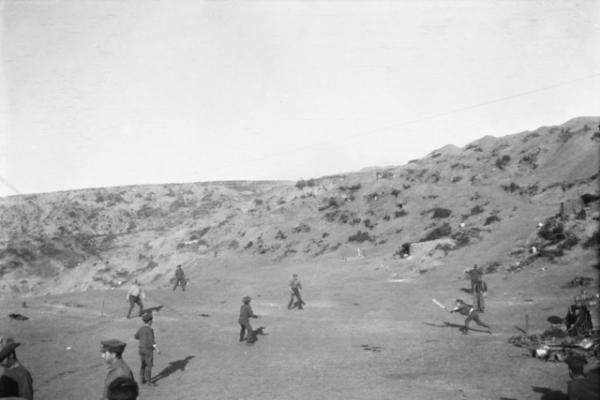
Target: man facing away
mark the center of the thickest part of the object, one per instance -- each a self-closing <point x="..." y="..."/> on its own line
<point x="245" y="314"/>
<point x="112" y="353"/>
<point x="14" y="371"/>
<point x="179" y="278"/>
<point x="468" y="311"/>
<point x="147" y="345"/>
<point x="295" y="287"/>
<point x="135" y="296"/>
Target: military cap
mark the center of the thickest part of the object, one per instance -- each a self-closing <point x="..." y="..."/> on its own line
<point x="113" y="346"/>
<point x="9" y="346"/>
<point x="246" y="299"/>
<point x="147" y="317"/>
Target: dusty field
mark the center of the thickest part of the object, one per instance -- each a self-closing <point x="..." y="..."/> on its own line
<point x="317" y="353"/>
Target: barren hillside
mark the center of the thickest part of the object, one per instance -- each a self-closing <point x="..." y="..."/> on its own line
<point x="487" y="197"/>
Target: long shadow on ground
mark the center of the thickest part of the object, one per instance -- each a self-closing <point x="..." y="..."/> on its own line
<point x="174" y="366"/>
<point x="451" y="325"/>
<point x="549" y="394"/>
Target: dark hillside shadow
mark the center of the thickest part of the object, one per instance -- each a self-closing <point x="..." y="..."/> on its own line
<point x="549" y="394"/>
<point x="451" y="325"/>
<point x="174" y="366"/>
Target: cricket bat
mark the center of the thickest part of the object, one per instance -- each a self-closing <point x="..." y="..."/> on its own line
<point x="439" y="304"/>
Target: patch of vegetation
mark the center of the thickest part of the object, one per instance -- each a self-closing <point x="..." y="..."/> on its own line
<point x="400" y="213"/>
<point x="503" y="161"/>
<point x="248" y="245"/>
<point x="199" y="233"/>
<point x="491" y="219"/>
<point x="331" y="202"/>
<point x="492" y="268"/>
<point x="569" y="242"/>
<point x="441" y="231"/>
<point x="395" y="192"/>
<point x="552" y="230"/>
<point x="456" y="179"/>
<point x="588" y="198"/>
<point x="301" y="228"/>
<point x="360" y="237"/>
<point x="368" y="224"/>
<point x="438" y="213"/>
<point x="477" y="210"/>
<point x="592" y="241"/>
<point x="474" y="148"/>
<point x="258" y="202"/>
<point x="301" y="184"/>
<point x="280" y="235"/>
<point x="530" y="136"/>
<point x="565" y="135"/>
<point x="234" y="244"/>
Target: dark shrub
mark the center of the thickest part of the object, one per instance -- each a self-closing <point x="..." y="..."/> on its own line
<point x="441" y="231"/>
<point x="301" y="228"/>
<point x="593" y="241"/>
<point x="400" y="213"/>
<point x="491" y="219"/>
<point x="501" y="162"/>
<point x="248" y="245"/>
<point x="360" y="237"/>
<point x="589" y="198"/>
<point x="552" y="230"/>
<point x="395" y="193"/>
<point x="570" y="241"/>
<point x="456" y="179"/>
<point x="476" y="210"/>
<point x="280" y="235"/>
<point x="368" y="224"/>
<point x="441" y="213"/>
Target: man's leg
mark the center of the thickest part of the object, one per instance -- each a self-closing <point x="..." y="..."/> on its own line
<point x="131" y="305"/>
<point x="143" y="369"/>
<point x="242" y="332"/>
<point x="149" y="363"/>
<point x="291" y="303"/>
<point x="300" y="302"/>
<point x="139" y="301"/>
<point x="475" y="317"/>
<point x="176" y="284"/>
<point x="251" y="335"/>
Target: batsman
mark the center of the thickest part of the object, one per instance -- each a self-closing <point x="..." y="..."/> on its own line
<point x="468" y="311"/>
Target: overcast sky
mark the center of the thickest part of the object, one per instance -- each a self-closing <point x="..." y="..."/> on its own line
<point x="105" y="93"/>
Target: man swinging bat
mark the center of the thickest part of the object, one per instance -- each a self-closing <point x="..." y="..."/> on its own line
<point x="468" y="311"/>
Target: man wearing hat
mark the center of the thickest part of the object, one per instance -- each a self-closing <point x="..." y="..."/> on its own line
<point x="295" y="287"/>
<point x="245" y="314"/>
<point x="135" y="296"/>
<point x="472" y="315"/>
<point x="145" y="335"/>
<point x="179" y="278"/>
<point x="112" y="351"/>
<point x="13" y="370"/>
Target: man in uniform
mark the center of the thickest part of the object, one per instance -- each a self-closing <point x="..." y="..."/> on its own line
<point x="135" y="296"/>
<point x="16" y="379"/>
<point x="123" y="389"/>
<point x="245" y="314"/>
<point x="479" y="290"/>
<point x="147" y="345"/>
<point x="179" y="278"/>
<point x="475" y="275"/>
<point x="468" y="311"/>
<point x="112" y="352"/>
<point x="295" y="287"/>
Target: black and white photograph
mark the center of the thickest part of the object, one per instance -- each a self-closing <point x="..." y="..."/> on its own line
<point x="299" y="199"/>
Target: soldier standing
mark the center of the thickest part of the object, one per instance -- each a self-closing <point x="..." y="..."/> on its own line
<point x="14" y="370"/>
<point x="245" y="314"/>
<point x="480" y="288"/>
<point x="295" y="287"/>
<point x="135" y="296"/>
<point x="147" y="345"/>
<point x="112" y="352"/>
<point x="468" y="311"/>
<point x="179" y="278"/>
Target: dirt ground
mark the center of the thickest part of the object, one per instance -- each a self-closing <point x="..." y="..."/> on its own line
<point x="361" y="335"/>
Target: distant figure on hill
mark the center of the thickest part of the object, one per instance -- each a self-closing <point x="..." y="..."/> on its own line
<point x="147" y="346"/>
<point x="180" y="278"/>
<point x="295" y="287"/>
<point x="135" y="296"/>
<point x="244" y="320"/>
<point x="14" y="374"/>
<point x="112" y="352"/>
<point x="479" y="290"/>
<point x="123" y="389"/>
<point x="468" y="311"/>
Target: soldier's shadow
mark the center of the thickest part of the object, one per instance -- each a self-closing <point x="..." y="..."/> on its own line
<point x="466" y="290"/>
<point x="174" y="366"/>
<point x="152" y="309"/>
<point x="446" y="324"/>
